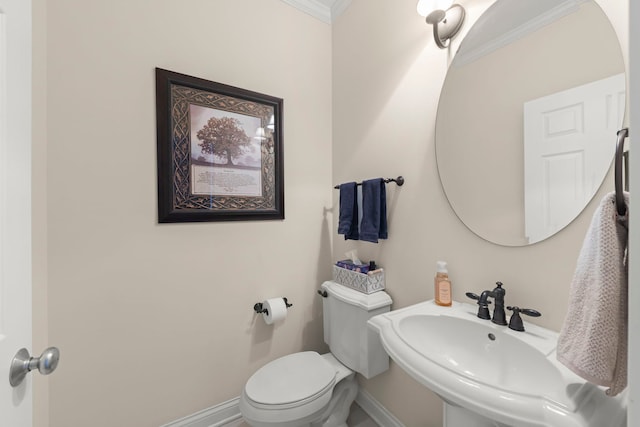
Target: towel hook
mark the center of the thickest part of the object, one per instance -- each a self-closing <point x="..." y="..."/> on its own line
<point x="621" y="206"/>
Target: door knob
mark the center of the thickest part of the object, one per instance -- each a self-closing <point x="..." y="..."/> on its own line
<point x="23" y="363"/>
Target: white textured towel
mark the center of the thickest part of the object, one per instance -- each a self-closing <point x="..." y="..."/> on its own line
<point x="593" y="339"/>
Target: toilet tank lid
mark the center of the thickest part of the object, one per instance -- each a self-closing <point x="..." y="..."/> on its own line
<point x="351" y="296"/>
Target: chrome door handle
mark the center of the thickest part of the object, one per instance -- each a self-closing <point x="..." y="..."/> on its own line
<point x="23" y="363"/>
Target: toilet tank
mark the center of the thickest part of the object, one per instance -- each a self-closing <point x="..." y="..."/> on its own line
<point x="346" y="312"/>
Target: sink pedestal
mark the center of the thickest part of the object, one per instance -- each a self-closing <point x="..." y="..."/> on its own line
<point x="457" y="416"/>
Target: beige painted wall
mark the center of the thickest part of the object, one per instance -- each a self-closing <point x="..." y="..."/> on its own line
<point x="155" y="322"/>
<point x="388" y="74"/>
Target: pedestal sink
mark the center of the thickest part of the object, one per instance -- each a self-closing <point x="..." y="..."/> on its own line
<point x="489" y="375"/>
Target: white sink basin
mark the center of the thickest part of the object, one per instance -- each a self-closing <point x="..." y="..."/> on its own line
<point x="506" y="376"/>
<point x="480" y="352"/>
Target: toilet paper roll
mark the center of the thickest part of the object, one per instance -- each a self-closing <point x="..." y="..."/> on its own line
<point x="276" y="310"/>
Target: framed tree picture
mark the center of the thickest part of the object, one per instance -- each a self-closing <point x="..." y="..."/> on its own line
<point x="219" y="151"/>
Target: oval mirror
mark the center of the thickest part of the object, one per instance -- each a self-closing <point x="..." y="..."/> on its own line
<point x="527" y="118"/>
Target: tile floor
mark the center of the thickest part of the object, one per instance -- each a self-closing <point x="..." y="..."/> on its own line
<point x="357" y="418"/>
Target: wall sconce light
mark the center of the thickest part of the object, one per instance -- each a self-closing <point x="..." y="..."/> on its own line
<point x="265" y="136"/>
<point x="260" y="134"/>
<point x="446" y="18"/>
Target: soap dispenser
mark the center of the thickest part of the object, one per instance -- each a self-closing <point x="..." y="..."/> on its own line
<point x="442" y="285"/>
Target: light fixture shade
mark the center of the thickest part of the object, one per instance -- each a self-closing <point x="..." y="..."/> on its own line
<point x="260" y="134"/>
<point x="425" y="7"/>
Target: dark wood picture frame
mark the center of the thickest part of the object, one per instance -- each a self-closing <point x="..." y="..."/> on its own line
<point x="220" y="152"/>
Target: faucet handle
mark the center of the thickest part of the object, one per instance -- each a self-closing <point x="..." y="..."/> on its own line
<point x="475" y="297"/>
<point x="530" y="312"/>
<point x="483" y="311"/>
<point x="516" y="322"/>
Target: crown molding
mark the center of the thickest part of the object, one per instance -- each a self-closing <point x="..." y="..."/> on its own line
<point x="313" y="8"/>
<point x="320" y="10"/>
<point x="338" y="7"/>
<point x="528" y="27"/>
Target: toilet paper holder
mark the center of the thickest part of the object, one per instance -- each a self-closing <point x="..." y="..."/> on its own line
<point x="258" y="307"/>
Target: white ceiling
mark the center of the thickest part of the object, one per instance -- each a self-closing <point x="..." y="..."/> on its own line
<point x="324" y="10"/>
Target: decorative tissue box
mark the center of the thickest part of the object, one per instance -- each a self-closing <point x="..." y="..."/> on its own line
<point x="363" y="282"/>
<point x="349" y="265"/>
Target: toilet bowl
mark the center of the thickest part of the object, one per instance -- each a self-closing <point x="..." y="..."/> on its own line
<point x="300" y="389"/>
<point x="308" y="389"/>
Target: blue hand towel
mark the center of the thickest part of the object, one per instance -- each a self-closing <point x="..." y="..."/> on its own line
<point x="348" y="219"/>
<point x="374" y="210"/>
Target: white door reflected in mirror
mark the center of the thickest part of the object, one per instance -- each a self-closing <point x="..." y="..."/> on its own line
<point x="564" y="157"/>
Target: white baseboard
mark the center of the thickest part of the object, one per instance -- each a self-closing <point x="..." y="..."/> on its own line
<point x="376" y="411"/>
<point x="215" y="416"/>
<point x="227" y="412"/>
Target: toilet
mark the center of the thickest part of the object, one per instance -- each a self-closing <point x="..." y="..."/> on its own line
<point x="308" y="389"/>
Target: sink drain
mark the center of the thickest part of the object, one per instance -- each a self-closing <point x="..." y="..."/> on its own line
<point x="492" y="337"/>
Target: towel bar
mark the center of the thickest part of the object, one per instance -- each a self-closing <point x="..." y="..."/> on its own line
<point x="399" y="180"/>
<point x="621" y="207"/>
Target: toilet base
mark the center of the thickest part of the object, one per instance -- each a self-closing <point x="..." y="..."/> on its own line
<point x="343" y="396"/>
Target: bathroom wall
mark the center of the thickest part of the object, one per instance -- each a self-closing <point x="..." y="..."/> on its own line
<point x="155" y="322"/>
<point x="387" y="76"/>
<point x="633" y="410"/>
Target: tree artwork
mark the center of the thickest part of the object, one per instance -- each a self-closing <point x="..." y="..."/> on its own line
<point x="223" y="137"/>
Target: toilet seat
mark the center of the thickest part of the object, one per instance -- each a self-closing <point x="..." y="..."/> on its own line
<point x="291" y="391"/>
<point x="291" y="381"/>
